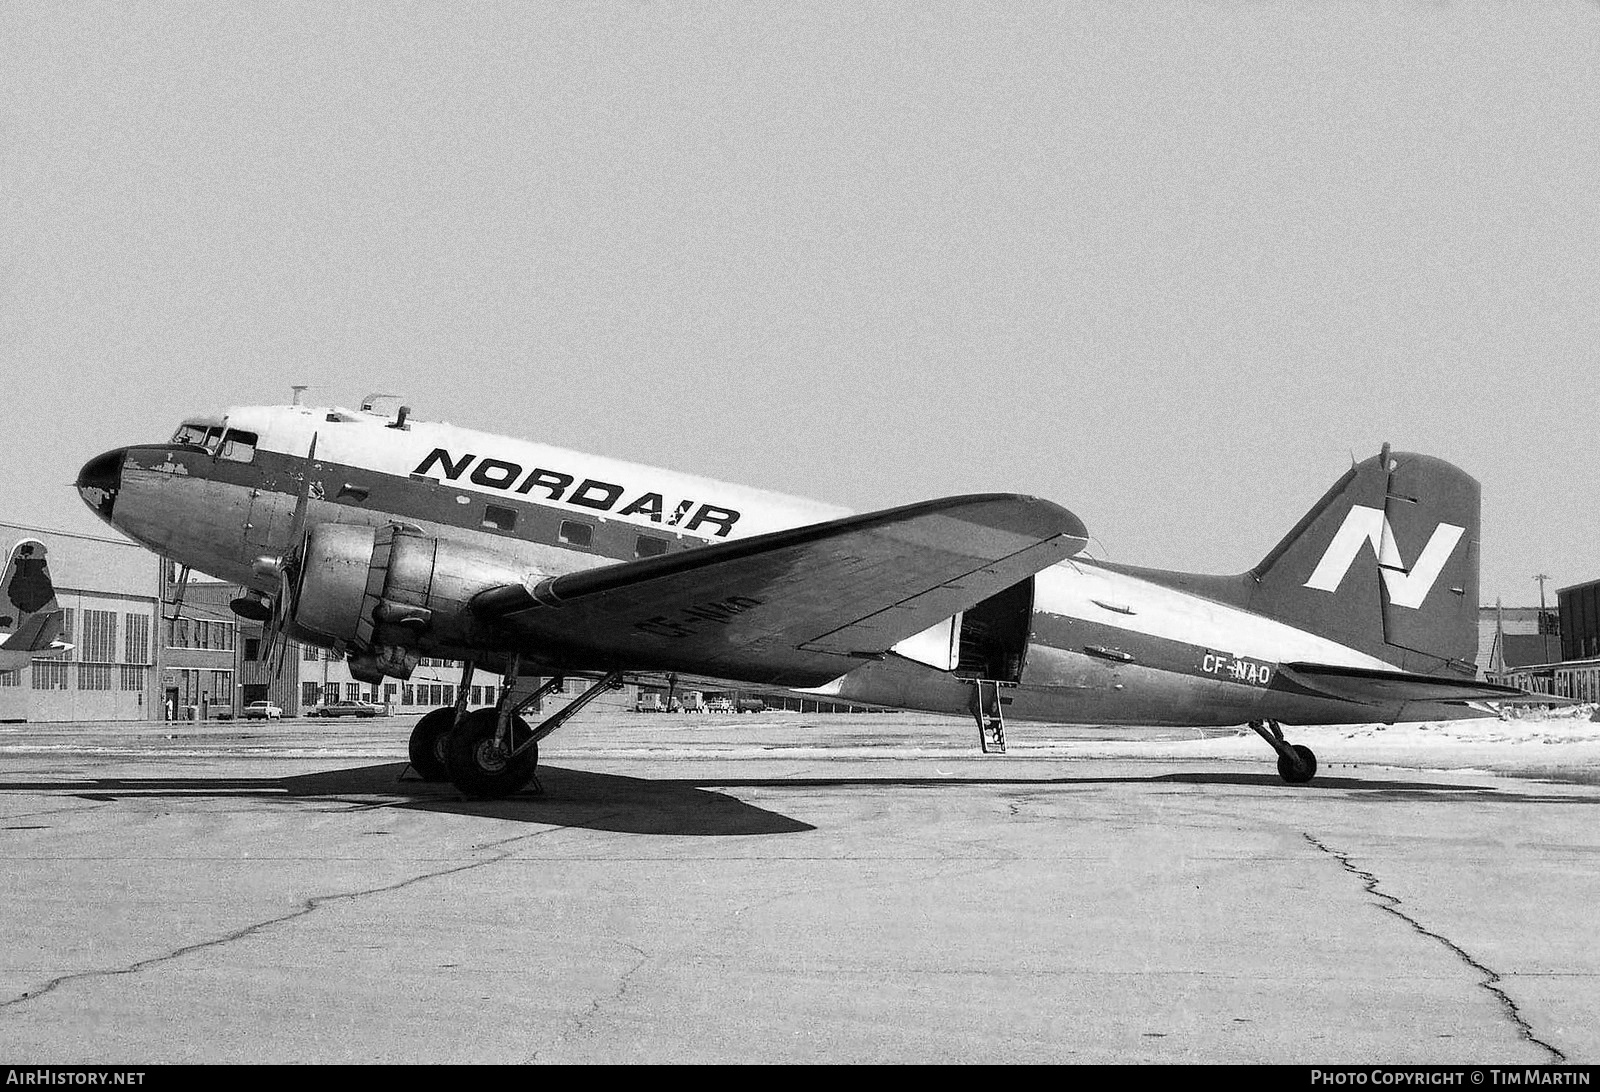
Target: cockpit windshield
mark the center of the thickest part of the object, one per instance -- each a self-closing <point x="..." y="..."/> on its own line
<point x="202" y="434"/>
<point x="215" y="438"/>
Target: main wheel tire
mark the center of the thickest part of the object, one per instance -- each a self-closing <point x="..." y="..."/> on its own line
<point x="428" y="741"/>
<point x="1295" y="776"/>
<point x="479" y="767"/>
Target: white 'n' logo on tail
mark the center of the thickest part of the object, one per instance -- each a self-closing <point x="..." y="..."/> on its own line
<point x="1407" y="587"/>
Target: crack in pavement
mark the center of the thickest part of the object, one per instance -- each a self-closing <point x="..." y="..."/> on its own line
<point x="581" y="1021"/>
<point x="310" y="905"/>
<point x="1491" y="978"/>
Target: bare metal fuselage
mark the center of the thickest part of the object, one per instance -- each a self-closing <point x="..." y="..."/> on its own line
<point x="1092" y="644"/>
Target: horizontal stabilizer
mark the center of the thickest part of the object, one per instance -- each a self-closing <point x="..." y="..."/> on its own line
<point x="1376" y="687"/>
<point x="37" y="633"/>
<point x="796" y="607"/>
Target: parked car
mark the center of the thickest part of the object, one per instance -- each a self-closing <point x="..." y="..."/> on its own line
<point x="347" y="709"/>
<point x="719" y="705"/>
<point x="261" y="710"/>
<point x="649" y="703"/>
<point x="750" y="705"/>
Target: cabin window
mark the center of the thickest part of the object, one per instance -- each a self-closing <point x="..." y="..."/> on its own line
<point x="239" y="447"/>
<point x="499" y="519"/>
<point x="649" y="547"/>
<point x="575" y="533"/>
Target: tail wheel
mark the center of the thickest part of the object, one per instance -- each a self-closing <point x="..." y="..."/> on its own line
<point x="1298" y="773"/>
<point x="427" y="744"/>
<point x="481" y="767"/>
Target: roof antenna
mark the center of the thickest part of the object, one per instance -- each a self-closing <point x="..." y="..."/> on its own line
<point x="400" y="419"/>
<point x="299" y="389"/>
<point x="1383" y="457"/>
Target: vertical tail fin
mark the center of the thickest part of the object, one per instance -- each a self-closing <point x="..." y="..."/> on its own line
<point x="1386" y="562"/>
<point x="30" y="619"/>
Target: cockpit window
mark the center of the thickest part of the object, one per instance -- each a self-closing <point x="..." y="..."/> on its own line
<point x="198" y="434"/>
<point x="238" y="446"/>
<point x="190" y="435"/>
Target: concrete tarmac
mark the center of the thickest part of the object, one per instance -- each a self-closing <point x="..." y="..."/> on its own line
<point x="788" y="888"/>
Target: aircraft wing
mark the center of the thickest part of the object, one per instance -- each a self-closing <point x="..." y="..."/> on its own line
<point x="1376" y="687"/>
<point x="793" y="608"/>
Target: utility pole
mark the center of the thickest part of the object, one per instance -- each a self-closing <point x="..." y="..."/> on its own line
<point x="1544" y="630"/>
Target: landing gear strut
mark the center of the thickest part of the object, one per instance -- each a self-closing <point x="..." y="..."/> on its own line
<point x="1296" y="764"/>
<point x="493" y="752"/>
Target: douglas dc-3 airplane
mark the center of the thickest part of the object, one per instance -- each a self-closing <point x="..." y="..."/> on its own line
<point x="30" y="620"/>
<point x="390" y="539"/>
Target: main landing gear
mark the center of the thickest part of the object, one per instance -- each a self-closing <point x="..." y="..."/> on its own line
<point x="489" y="753"/>
<point x="1296" y="764"/>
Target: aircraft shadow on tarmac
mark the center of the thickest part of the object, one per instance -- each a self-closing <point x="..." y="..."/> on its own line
<point x="568" y="798"/>
<point x="1368" y="788"/>
<point x="695" y="807"/>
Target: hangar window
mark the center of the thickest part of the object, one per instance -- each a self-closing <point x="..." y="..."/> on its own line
<point x="499" y="519"/>
<point x="576" y="533"/>
<point x="49" y="675"/>
<point x="649" y="547"/>
<point x="240" y="447"/>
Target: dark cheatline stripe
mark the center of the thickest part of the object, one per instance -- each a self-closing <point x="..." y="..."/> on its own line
<point x="407" y="498"/>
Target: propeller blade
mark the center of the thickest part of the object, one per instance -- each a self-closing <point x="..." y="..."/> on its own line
<point x="297" y="527"/>
<point x="289" y="565"/>
<point x="283" y="651"/>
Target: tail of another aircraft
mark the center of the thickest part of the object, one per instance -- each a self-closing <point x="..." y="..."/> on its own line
<point x="1386" y="562"/>
<point x="30" y="619"/>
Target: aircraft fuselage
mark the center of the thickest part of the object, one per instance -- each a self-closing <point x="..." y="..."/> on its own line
<point x="1083" y="642"/>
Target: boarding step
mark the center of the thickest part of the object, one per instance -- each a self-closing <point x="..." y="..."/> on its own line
<point x="988" y="708"/>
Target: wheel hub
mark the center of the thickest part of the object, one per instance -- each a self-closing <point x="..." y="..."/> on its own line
<point x="492" y="758"/>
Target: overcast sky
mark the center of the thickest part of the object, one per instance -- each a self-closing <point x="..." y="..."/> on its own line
<point x="1169" y="265"/>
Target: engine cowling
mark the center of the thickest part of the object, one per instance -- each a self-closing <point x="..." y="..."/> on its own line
<point x="382" y="592"/>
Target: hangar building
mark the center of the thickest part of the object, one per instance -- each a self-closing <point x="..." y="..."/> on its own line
<point x="1566" y="660"/>
<point x="108" y="591"/>
<point x="148" y="645"/>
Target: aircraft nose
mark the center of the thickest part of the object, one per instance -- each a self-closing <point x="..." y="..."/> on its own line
<point x="99" y="481"/>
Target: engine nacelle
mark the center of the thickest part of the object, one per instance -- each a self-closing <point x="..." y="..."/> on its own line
<point x="379" y="592"/>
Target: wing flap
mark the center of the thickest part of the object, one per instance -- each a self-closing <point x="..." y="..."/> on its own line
<point x="877" y="632"/>
<point x="796" y="607"/>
